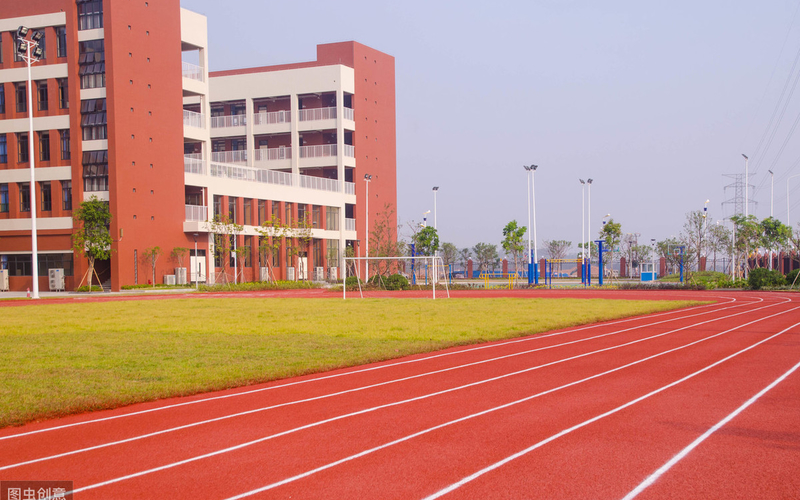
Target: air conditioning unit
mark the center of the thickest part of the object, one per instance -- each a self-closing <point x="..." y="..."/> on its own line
<point x="333" y="273"/>
<point x="56" y="280"/>
<point x="263" y="274"/>
<point x="3" y="280"/>
<point x="169" y="279"/>
<point x="289" y="274"/>
<point x="180" y="275"/>
<point x="319" y="274"/>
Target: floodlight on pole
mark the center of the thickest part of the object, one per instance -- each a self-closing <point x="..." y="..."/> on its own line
<point x="583" y="229"/>
<point x="367" y="180"/>
<point x="771" y="192"/>
<point x="530" y="245"/>
<point x="788" y="223"/>
<point x="30" y="57"/>
<point x="589" y="221"/>
<point x="746" y="182"/>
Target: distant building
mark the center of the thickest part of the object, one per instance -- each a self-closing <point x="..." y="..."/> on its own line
<point x="125" y="110"/>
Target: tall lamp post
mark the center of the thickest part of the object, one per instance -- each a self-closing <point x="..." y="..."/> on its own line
<point x="436" y="253"/>
<point x="31" y="56"/>
<point x="535" y="265"/>
<point x="746" y="182"/>
<point x="771" y="191"/>
<point x="788" y="223"/>
<point x="530" y="246"/>
<point x="367" y="180"/>
<point x="589" y="228"/>
<point x="583" y="230"/>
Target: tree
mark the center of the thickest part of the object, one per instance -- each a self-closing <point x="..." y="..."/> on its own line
<point x="92" y="237"/>
<point x="427" y="241"/>
<point x="611" y="234"/>
<point x="486" y="255"/>
<point x="150" y="257"/>
<point x="666" y="249"/>
<point x="225" y="232"/>
<point x="557" y="249"/>
<point x="719" y="240"/>
<point x="748" y="236"/>
<point x="269" y="242"/>
<point x="589" y="248"/>
<point x="449" y="255"/>
<point x="302" y="233"/>
<point x="383" y="240"/>
<point x="774" y="235"/>
<point x="694" y="233"/>
<point x="178" y="254"/>
<point x="513" y="243"/>
<point x="464" y="256"/>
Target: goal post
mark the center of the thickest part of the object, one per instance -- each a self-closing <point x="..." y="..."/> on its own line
<point x="436" y="264"/>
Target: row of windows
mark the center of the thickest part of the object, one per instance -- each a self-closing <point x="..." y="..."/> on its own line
<point x="20" y="264"/>
<point x="42" y="95"/>
<point x="44" y="146"/>
<point x="95" y="170"/>
<point x="313" y="216"/>
<point x="92" y="64"/>
<point x="45" y="197"/>
<point x="331" y="247"/>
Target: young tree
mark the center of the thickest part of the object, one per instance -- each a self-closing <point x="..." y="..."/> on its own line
<point x="178" y="254"/>
<point x="611" y="234"/>
<point x="463" y="256"/>
<point x="427" y="241"/>
<point x="269" y="242"/>
<point x="748" y="236"/>
<point x="225" y="232"/>
<point x="449" y="254"/>
<point x="775" y="235"/>
<point x="694" y="233"/>
<point x="301" y="232"/>
<point x="92" y="237"/>
<point x="719" y="240"/>
<point x="383" y="240"/>
<point x="513" y="243"/>
<point x="557" y="249"/>
<point x="486" y="255"/>
<point x="666" y="249"/>
<point x="150" y="257"/>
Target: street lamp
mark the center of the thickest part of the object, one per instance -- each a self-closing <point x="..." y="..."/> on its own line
<point x="30" y="57"/>
<point x="435" y="190"/>
<point x="771" y="191"/>
<point x="197" y="261"/>
<point x="531" y="170"/>
<point x="530" y="246"/>
<point x="746" y="181"/>
<point x="367" y="180"/>
<point x="787" y="199"/>
<point x="589" y="224"/>
<point x="583" y="230"/>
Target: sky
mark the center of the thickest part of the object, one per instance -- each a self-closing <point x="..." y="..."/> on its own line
<point x="655" y="101"/>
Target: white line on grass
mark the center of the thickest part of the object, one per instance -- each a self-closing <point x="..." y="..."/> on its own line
<point x="419" y="398"/>
<point x="380" y="367"/>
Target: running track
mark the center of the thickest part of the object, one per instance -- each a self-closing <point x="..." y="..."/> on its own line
<point x="697" y="403"/>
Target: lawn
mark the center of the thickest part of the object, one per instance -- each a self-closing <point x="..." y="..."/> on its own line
<point x="57" y="359"/>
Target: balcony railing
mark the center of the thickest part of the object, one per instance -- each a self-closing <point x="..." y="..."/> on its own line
<point x="192" y="71"/>
<point x="318" y="151"/>
<point x="251" y="174"/>
<point x="307" y="115"/>
<point x="229" y="156"/>
<point x="194" y="164"/>
<point x="350" y="188"/>
<point x="272" y="117"/>
<point x="227" y="121"/>
<point x="272" y="154"/>
<point x="349" y="151"/>
<point x="196" y="213"/>
<point x="348" y="114"/>
<point x="349" y="224"/>
<point x="192" y="119"/>
<point x="319" y="183"/>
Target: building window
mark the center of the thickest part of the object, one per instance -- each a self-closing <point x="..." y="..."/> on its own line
<point x="276" y="210"/>
<point x="49" y="261"/>
<point x="93" y="119"/>
<point x="1" y="48"/>
<point x="4" y="198"/>
<point x="63" y="93"/>
<point x="248" y="245"/>
<point x="90" y="14"/>
<point x="2" y="97"/>
<point x="44" y="146"/>
<point x="22" y="148"/>
<point x="333" y="253"/>
<point x="262" y="212"/>
<point x="22" y="97"/>
<point x="61" y="41"/>
<point x="232" y="208"/>
<point x="41" y="43"/>
<point x="47" y="197"/>
<point x="332" y="219"/>
<point x="24" y="197"/>
<point x="92" y="61"/>
<point x="218" y="250"/>
<point x="232" y="256"/>
<point x="315" y="215"/>
<point x="17" y="264"/>
<point x="41" y="94"/>
<point x="301" y="213"/>
<point x="317" y="253"/>
<point x="65" y="151"/>
<point x="287" y="219"/>
<point x="95" y="171"/>
<point x="3" y="149"/>
<point x="217" y="206"/>
<point x="66" y="195"/>
<point x="17" y="55"/>
<point x="248" y="209"/>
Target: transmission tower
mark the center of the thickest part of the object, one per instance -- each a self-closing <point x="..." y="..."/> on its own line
<point x="739" y="188"/>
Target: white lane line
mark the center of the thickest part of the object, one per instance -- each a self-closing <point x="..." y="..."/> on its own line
<point x="389" y="365"/>
<point x="372" y="386"/>
<point x="506" y="460"/>
<point x="484" y="412"/>
<point x="398" y="403"/>
<point x="677" y="458"/>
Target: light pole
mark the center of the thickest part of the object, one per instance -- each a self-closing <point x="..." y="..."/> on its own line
<point x="589" y="225"/>
<point x="788" y="223"/>
<point x="771" y="191"/>
<point x="436" y="253"/>
<point x="24" y="51"/>
<point x="746" y="182"/>
<point x="705" y="224"/>
<point x="583" y="230"/>
<point x="197" y="270"/>
<point x="530" y="246"/>
<point x="367" y="180"/>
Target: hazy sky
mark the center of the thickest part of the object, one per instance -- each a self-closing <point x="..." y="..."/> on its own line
<point x="655" y="101"/>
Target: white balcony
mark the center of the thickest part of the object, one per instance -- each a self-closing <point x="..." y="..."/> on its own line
<point x="272" y="118"/>
<point x="194" y="164"/>
<point x="192" y="119"/>
<point x="229" y="156"/>
<point x="272" y="154"/>
<point x="251" y="174"/>
<point x="318" y="151"/>
<point x="349" y="151"/>
<point x="350" y="188"/>
<point x="192" y="71"/>
<point x="228" y="121"/>
<point x="307" y="115"/>
<point x="196" y="213"/>
<point x="348" y="114"/>
<point x="349" y="224"/>
<point x="319" y="183"/>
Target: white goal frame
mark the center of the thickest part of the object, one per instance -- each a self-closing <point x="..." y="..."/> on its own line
<point x="438" y="264"/>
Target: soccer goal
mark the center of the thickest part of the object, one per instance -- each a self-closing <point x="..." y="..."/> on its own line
<point x="430" y="268"/>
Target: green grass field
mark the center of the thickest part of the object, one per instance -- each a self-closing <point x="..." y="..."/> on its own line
<point x="67" y="358"/>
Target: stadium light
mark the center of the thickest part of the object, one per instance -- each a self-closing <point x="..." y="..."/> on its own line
<point x="367" y="180"/>
<point x="746" y="182"/>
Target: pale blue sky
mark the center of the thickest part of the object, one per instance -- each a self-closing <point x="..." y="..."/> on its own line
<point x="655" y="101"/>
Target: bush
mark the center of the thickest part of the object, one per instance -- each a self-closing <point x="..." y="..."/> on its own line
<point x="792" y="276"/>
<point x="397" y="282"/>
<point x="352" y="281"/>
<point x="85" y="288"/>
<point x="761" y="277"/>
<point x="258" y="286"/>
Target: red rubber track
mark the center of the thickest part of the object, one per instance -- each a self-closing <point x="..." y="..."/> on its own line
<point x="587" y="412"/>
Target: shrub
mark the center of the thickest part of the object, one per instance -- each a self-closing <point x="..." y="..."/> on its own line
<point x="397" y="282"/>
<point x="352" y="281"/>
<point x="761" y="277"/>
<point x="85" y="288"/>
<point x="792" y="277"/>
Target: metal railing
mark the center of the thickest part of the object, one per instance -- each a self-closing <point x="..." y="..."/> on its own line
<point x="307" y="115"/>
<point x="350" y="188"/>
<point x="348" y="114"/>
<point x="272" y="117"/>
<point x="251" y="174"/>
<point x="196" y="213"/>
<point x="349" y="224"/>
<point x="227" y="121"/>
<point x="229" y="156"/>
<point x="272" y="154"/>
<point x="194" y="164"/>
<point x="193" y="119"/>
<point x="319" y="183"/>
<point x="318" y="151"/>
<point x="349" y="151"/>
<point x="192" y="71"/>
